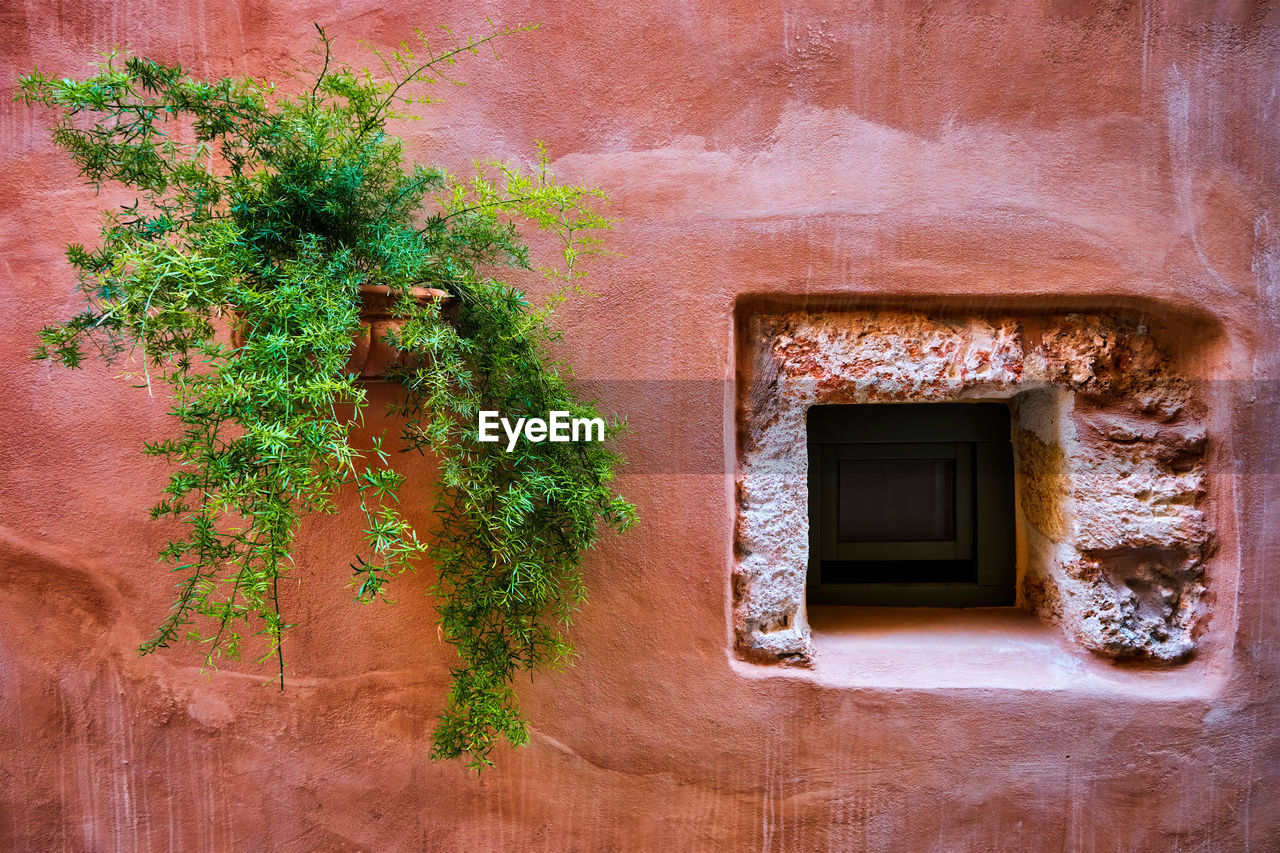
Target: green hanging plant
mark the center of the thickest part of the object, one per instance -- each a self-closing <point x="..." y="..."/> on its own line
<point x="272" y="211"/>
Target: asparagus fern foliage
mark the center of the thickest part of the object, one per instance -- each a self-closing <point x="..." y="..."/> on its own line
<point x="266" y="209"/>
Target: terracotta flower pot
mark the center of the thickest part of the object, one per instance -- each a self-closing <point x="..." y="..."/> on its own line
<point x="370" y="355"/>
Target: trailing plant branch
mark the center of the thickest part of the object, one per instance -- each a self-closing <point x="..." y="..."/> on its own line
<point x="272" y="213"/>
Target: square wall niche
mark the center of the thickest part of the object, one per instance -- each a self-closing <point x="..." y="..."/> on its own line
<point x="1106" y="439"/>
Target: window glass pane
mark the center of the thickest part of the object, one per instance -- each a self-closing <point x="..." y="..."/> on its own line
<point x="897" y="499"/>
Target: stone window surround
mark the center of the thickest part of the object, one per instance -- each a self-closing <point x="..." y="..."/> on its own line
<point x="1110" y="449"/>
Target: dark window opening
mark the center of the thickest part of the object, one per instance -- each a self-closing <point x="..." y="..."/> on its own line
<point x="911" y="504"/>
<point x="923" y="508"/>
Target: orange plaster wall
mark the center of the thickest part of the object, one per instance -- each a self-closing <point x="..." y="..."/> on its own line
<point x="1046" y="154"/>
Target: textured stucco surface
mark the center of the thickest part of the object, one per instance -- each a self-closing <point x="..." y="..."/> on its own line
<point x="992" y="159"/>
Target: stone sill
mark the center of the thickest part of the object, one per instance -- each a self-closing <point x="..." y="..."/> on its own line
<point x="992" y="648"/>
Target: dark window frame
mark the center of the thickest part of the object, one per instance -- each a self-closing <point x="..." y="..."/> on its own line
<point x="975" y="569"/>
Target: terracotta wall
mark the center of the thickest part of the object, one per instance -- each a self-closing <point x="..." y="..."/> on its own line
<point x="1049" y="154"/>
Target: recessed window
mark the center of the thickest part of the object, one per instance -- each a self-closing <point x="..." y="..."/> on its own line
<point x="911" y="505"/>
